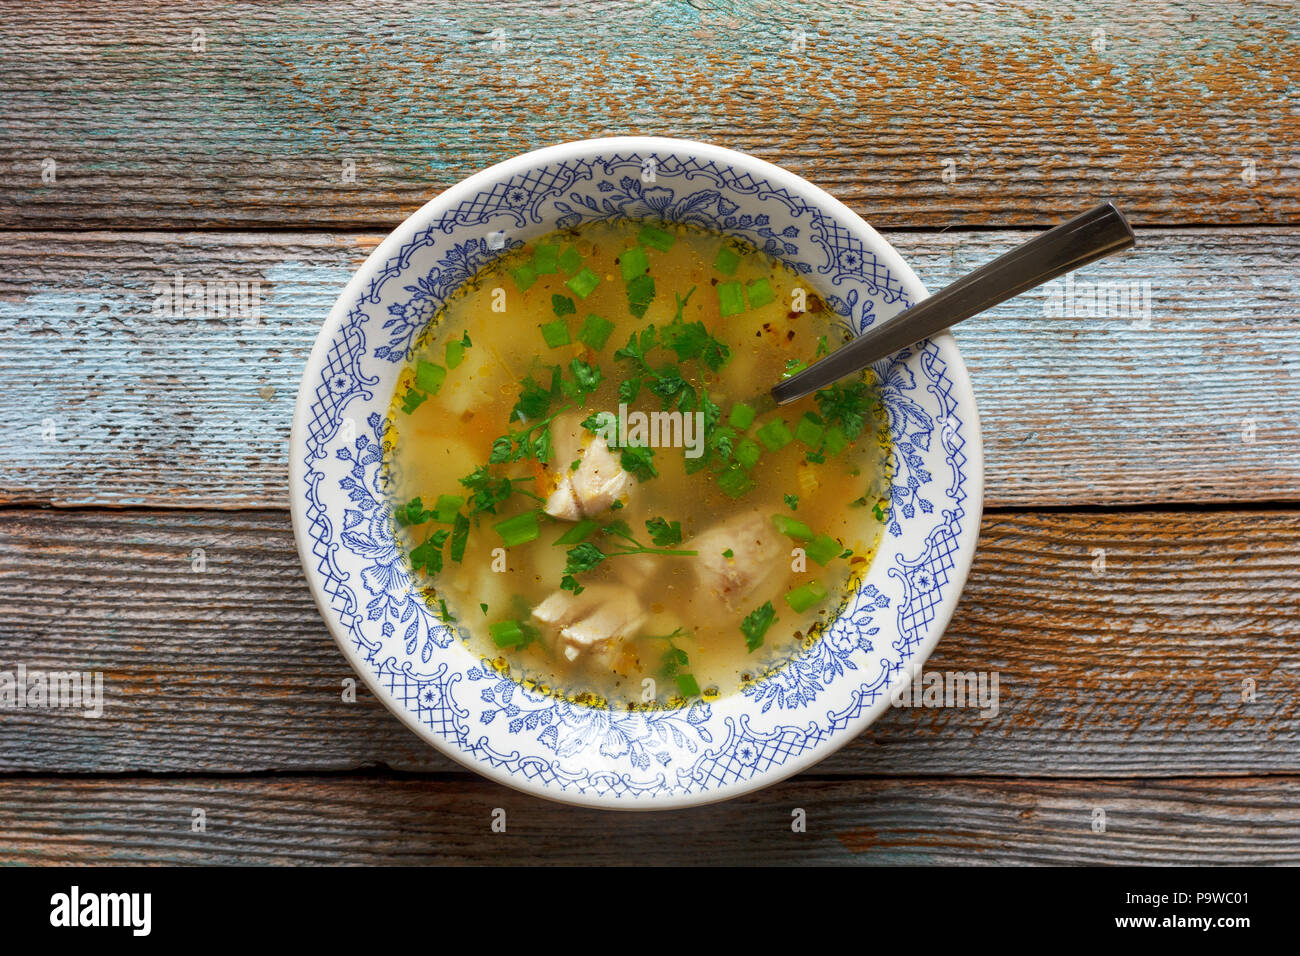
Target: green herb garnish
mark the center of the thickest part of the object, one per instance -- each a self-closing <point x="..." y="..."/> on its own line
<point x="664" y="533"/>
<point x="412" y="400"/>
<point x="846" y="405"/>
<point x="640" y="292"/>
<point x="588" y="556"/>
<point x="459" y="537"/>
<point x="756" y="624"/>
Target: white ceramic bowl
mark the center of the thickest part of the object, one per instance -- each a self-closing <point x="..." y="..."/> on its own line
<point x="823" y="697"/>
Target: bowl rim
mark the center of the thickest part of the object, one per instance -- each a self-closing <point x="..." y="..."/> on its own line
<point x="962" y="391"/>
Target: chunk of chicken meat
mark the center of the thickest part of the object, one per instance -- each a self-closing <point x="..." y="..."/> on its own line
<point x="756" y="551"/>
<point x="597" y="483"/>
<point x="589" y="622"/>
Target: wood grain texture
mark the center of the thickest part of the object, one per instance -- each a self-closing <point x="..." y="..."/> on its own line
<point x="1040" y="110"/>
<point x="368" y="820"/>
<point x="112" y="402"/>
<point x="1137" y="671"/>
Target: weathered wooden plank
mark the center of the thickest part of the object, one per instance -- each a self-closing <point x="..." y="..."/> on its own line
<point x="448" y="820"/>
<point x="1137" y="669"/>
<point x="1185" y="111"/>
<point x="110" y="401"/>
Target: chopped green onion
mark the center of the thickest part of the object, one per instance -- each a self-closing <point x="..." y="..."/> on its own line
<point x="735" y="482"/>
<point x="775" y="435"/>
<point x="804" y="597"/>
<point x="455" y="353"/>
<point x="823" y="549"/>
<point x="688" y="685"/>
<point x="792" y="528"/>
<point x="584" y="283"/>
<point x="578" y="533"/>
<point x="747" y="453"/>
<point x="447" y="507"/>
<point x="727" y="261"/>
<point x="524" y="276"/>
<point x="520" y="529"/>
<point x="760" y="293"/>
<point x="836" y="440"/>
<point x="731" y="299"/>
<point x="595" y="331"/>
<point x="742" y="416"/>
<point x="656" y="238"/>
<point x="571" y="260"/>
<point x="429" y="377"/>
<point x="793" y="367"/>
<point x="633" y="262"/>
<point x="546" y="259"/>
<point x="810" y="430"/>
<point x="556" y="333"/>
<point x="511" y="633"/>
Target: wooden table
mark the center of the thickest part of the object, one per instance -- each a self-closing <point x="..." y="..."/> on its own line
<point x="144" y="531"/>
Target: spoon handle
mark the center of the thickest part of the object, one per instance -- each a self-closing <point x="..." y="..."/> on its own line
<point x="1097" y="233"/>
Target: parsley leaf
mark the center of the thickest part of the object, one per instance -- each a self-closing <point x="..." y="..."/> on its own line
<point x="562" y="305"/>
<point x="755" y="625"/>
<point x="663" y="532"/>
<point x="638" y="461"/>
<point x="846" y="404"/>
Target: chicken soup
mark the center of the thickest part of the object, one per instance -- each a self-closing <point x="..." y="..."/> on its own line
<point x="588" y="490"/>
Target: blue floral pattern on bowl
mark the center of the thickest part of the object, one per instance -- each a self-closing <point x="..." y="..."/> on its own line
<point x="812" y="703"/>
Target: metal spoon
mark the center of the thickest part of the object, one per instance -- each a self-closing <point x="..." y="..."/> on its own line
<point x="1099" y="232"/>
